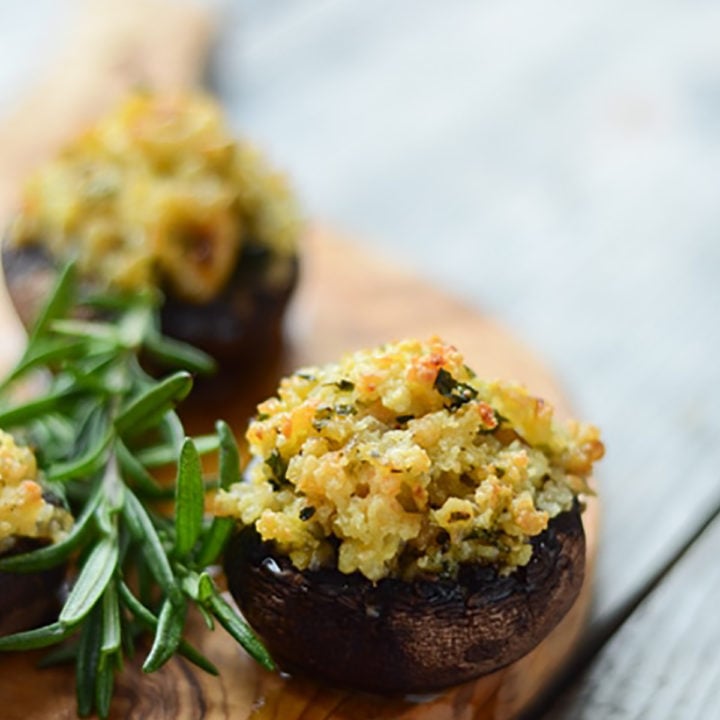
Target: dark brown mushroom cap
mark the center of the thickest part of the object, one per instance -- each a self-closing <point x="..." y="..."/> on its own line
<point x="406" y="637"/>
<point x="243" y="323"/>
<point x="242" y="326"/>
<point x="28" y="600"/>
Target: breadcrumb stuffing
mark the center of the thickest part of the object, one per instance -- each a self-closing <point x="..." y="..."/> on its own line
<point x="24" y="512"/>
<point x="399" y="461"/>
<point x="159" y="193"/>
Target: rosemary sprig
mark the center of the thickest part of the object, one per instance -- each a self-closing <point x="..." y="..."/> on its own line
<point x="100" y="426"/>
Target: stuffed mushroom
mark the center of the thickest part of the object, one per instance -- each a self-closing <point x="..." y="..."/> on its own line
<point x="29" y="518"/>
<point x="159" y="195"/>
<point x="404" y="525"/>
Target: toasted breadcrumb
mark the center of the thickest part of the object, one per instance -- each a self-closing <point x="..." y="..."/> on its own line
<point x="411" y="463"/>
<point x="24" y="512"/>
<point x="158" y="193"/>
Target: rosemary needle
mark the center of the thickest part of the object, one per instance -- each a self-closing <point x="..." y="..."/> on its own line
<point x="98" y="428"/>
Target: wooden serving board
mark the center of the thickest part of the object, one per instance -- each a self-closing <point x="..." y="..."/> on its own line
<point x="348" y="298"/>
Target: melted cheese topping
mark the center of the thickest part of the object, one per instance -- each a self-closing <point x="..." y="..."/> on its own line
<point x="23" y="510"/>
<point x="400" y="461"/>
<point x="158" y="193"/>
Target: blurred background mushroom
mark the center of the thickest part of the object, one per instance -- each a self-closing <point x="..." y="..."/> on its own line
<point x="556" y="165"/>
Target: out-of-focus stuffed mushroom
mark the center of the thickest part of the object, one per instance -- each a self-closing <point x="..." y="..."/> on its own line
<point x="404" y="525"/>
<point x="29" y="519"/>
<point x="159" y="195"/>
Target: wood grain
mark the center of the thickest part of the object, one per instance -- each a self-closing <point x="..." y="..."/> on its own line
<point x="348" y="298"/>
<point x="663" y="662"/>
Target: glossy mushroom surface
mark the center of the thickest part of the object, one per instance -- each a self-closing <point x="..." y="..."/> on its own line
<point x="406" y="637"/>
<point x="28" y="600"/>
<point x="241" y="326"/>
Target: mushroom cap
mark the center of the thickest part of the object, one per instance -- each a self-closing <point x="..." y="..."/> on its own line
<point x="241" y="326"/>
<point x="398" y="636"/>
<point x="27" y="600"/>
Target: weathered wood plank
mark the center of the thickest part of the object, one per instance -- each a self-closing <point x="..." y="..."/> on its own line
<point x="663" y="662"/>
<point x="543" y="166"/>
<point x="335" y="310"/>
<point x="556" y="165"/>
<point x="348" y="298"/>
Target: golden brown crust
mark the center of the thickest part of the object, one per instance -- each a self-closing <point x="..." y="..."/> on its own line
<point x="399" y="460"/>
<point x="158" y="193"/>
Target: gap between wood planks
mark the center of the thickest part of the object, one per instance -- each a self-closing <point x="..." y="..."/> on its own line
<point x="597" y="639"/>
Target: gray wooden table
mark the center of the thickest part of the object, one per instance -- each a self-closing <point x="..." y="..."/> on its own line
<point x="557" y="165"/>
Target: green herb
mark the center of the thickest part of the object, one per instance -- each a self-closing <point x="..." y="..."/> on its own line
<point x="161" y="455"/>
<point x="189" y="493"/>
<point x="36" y="638"/>
<point x="146" y="410"/>
<point x="456" y="392"/>
<point x="323" y="415"/>
<point x="100" y="425"/>
<point x="324" y="412"/>
<point x="238" y="629"/>
<point x="345" y="385"/>
<point x="167" y="637"/>
<point x="345" y="410"/>
<point x="92" y="581"/>
<point x="470" y="371"/>
<point x="221" y="528"/>
<point x="173" y="353"/>
<point x="307" y="512"/>
<point x="86" y="662"/>
<point x="278" y="466"/>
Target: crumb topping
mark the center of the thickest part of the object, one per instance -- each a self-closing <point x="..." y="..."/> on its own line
<point x="158" y="193"/>
<point x="399" y="461"/>
<point x="24" y="512"/>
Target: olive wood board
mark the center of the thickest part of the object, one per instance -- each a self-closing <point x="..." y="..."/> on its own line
<point x="348" y="298"/>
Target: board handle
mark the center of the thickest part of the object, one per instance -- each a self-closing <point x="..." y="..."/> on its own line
<point x="111" y="47"/>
